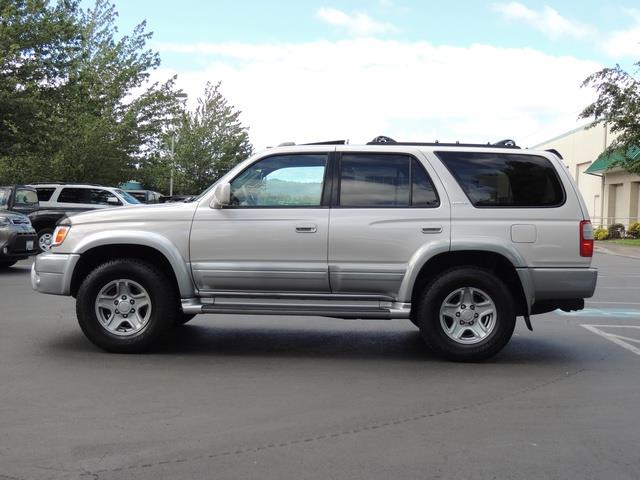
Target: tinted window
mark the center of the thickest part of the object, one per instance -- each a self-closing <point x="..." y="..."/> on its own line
<point x="73" y="195"/>
<point x="370" y="180"/>
<point x="26" y="197"/>
<point x="375" y="180"/>
<point x="44" y="194"/>
<point x="423" y="194"/>
<point x="283" y="180"/>
<point x="505" y="180"/>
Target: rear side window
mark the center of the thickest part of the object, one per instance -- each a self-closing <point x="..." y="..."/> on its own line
<point x="44" y="194"/>
<point x="384" y="180"/>
<point x="505" y="179"/>
<point x="73" y="195"/>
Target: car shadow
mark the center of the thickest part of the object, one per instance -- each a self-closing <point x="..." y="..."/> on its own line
<point x="325" y="343"/>
<point x="15" y="270"/>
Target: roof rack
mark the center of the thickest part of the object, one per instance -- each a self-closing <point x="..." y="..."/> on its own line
<point x="329" y="142"/>
<point x="383" y="140"/>
<point x="68" y="183"/>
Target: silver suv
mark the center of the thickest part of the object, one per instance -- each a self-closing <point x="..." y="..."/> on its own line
<point x="459" y="239"/>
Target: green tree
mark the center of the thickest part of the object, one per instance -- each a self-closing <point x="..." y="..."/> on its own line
<point x="103" y="118"/>
<point x="38" y="45"/>
<point x="209" y="141"/>
<point x="618" y="107"/>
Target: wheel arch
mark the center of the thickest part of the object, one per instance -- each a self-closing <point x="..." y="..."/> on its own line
<point x="492" y="261"/>
<point x="150" y="249"/>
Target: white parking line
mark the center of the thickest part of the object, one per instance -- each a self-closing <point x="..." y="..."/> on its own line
<point x="617" y="339"/>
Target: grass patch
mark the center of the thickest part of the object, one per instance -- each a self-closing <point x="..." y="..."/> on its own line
<point x="626" y="241"/>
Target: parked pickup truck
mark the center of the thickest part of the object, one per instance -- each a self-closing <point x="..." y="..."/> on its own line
<point x="459" y="239"/>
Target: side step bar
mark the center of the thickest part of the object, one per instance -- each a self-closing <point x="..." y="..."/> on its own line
<point x="392" y="311"/>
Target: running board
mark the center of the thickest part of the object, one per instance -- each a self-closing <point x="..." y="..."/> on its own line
<point x="386" y="312"/>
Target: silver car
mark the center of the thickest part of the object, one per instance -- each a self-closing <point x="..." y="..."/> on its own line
<point x="458" y="239"/>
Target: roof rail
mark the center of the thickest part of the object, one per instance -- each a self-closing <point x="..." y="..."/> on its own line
<point x="329" y="142"/>
<point x="68" y="183"/>
<point x="383" y="140"/>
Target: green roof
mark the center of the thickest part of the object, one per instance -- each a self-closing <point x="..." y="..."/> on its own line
<point x="607" y="160"/>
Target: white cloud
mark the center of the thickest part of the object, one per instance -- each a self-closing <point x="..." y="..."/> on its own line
<point x="548" y="20"/>
<point x="625" y="43"/>
<point x="358" y="24"/>
<point x="361" y="88"/>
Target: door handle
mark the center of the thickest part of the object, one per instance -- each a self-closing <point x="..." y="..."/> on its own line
<point x="307" y="228"/>
<point x="431" y="229"/>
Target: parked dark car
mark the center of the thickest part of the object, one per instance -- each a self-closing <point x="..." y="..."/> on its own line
<point x="17" y="236"/>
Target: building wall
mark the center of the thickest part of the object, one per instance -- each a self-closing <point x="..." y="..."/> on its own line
<point x="613" y="197"/>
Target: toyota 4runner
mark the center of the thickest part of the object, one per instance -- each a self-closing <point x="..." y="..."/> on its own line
<point x="459" y="239"/>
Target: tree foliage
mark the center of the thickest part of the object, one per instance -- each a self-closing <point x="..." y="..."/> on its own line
<point x="75" y="100"/>
<point x="209" y="141"/>
<point x="618" y="107"/>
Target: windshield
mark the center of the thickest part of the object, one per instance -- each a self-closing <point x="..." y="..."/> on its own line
<point x="128" y="198"/>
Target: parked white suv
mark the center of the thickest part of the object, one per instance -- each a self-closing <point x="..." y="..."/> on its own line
<point x="58" y="200"/>
<point x="460" y="239"/>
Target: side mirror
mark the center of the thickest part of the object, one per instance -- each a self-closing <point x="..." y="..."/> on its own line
<point x="221" y="195"/>
<point x="113" y="201"/>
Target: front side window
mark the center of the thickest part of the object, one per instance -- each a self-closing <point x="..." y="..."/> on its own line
<point x="26" y="197"/>
<point x="384" y="180"/>
<point x="97" y="196"/>
<point x="281" y="181"/>
<point x="505" y="179"/>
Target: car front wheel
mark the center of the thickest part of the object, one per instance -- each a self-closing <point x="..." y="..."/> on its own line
<point x="126" y="306"/>
<point x="467" y="314"/>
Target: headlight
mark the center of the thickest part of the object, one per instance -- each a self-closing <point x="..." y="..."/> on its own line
<point x="4" y="221"/>
<point x="59" y="234"/>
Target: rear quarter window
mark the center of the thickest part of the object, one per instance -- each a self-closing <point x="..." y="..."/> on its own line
<point x="503" y="180"/>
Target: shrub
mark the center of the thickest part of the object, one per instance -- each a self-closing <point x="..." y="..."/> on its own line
<point x="634" y="230"/>
<point x="600" y="233"/>
<point x="616" y="230"/>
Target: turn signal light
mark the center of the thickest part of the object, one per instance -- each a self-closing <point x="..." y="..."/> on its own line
<point x="586" y="239"/>
<point x="60" y="234"/>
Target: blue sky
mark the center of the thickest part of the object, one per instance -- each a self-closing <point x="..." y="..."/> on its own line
<point x="504" y="68"/>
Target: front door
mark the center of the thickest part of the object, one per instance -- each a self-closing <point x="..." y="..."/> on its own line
<point x="273" y="236"/>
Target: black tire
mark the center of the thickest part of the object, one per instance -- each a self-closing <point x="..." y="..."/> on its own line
<point x="7" y="264"/>
<point x="163" y="299"/>
<point x="42" y="233"/>
<point x="435" y="293"/>
<point x="182" y="318"/>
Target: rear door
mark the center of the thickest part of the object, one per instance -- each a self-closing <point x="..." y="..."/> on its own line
<point x="387" y="211"/>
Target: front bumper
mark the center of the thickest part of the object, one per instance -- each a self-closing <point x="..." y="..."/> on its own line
<point x="14" y="244"/>
<point x="52" y="272"/>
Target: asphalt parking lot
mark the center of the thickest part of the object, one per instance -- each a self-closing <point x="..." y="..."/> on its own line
<point x="278" y="398"/>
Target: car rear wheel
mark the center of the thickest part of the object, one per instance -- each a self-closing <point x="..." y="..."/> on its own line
<point x="467" y="314"/>
<point x="126" y="306"/>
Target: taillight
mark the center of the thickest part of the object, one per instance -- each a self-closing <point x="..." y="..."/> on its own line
<point x="586" y="239"/>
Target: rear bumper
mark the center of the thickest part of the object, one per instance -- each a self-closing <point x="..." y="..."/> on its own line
<point x="549" y="288"/>
<point x="52" y="272"/>
<point x="563" y="283"/>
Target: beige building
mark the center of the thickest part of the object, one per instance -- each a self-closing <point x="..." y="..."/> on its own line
<point x="612" y="195"/>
